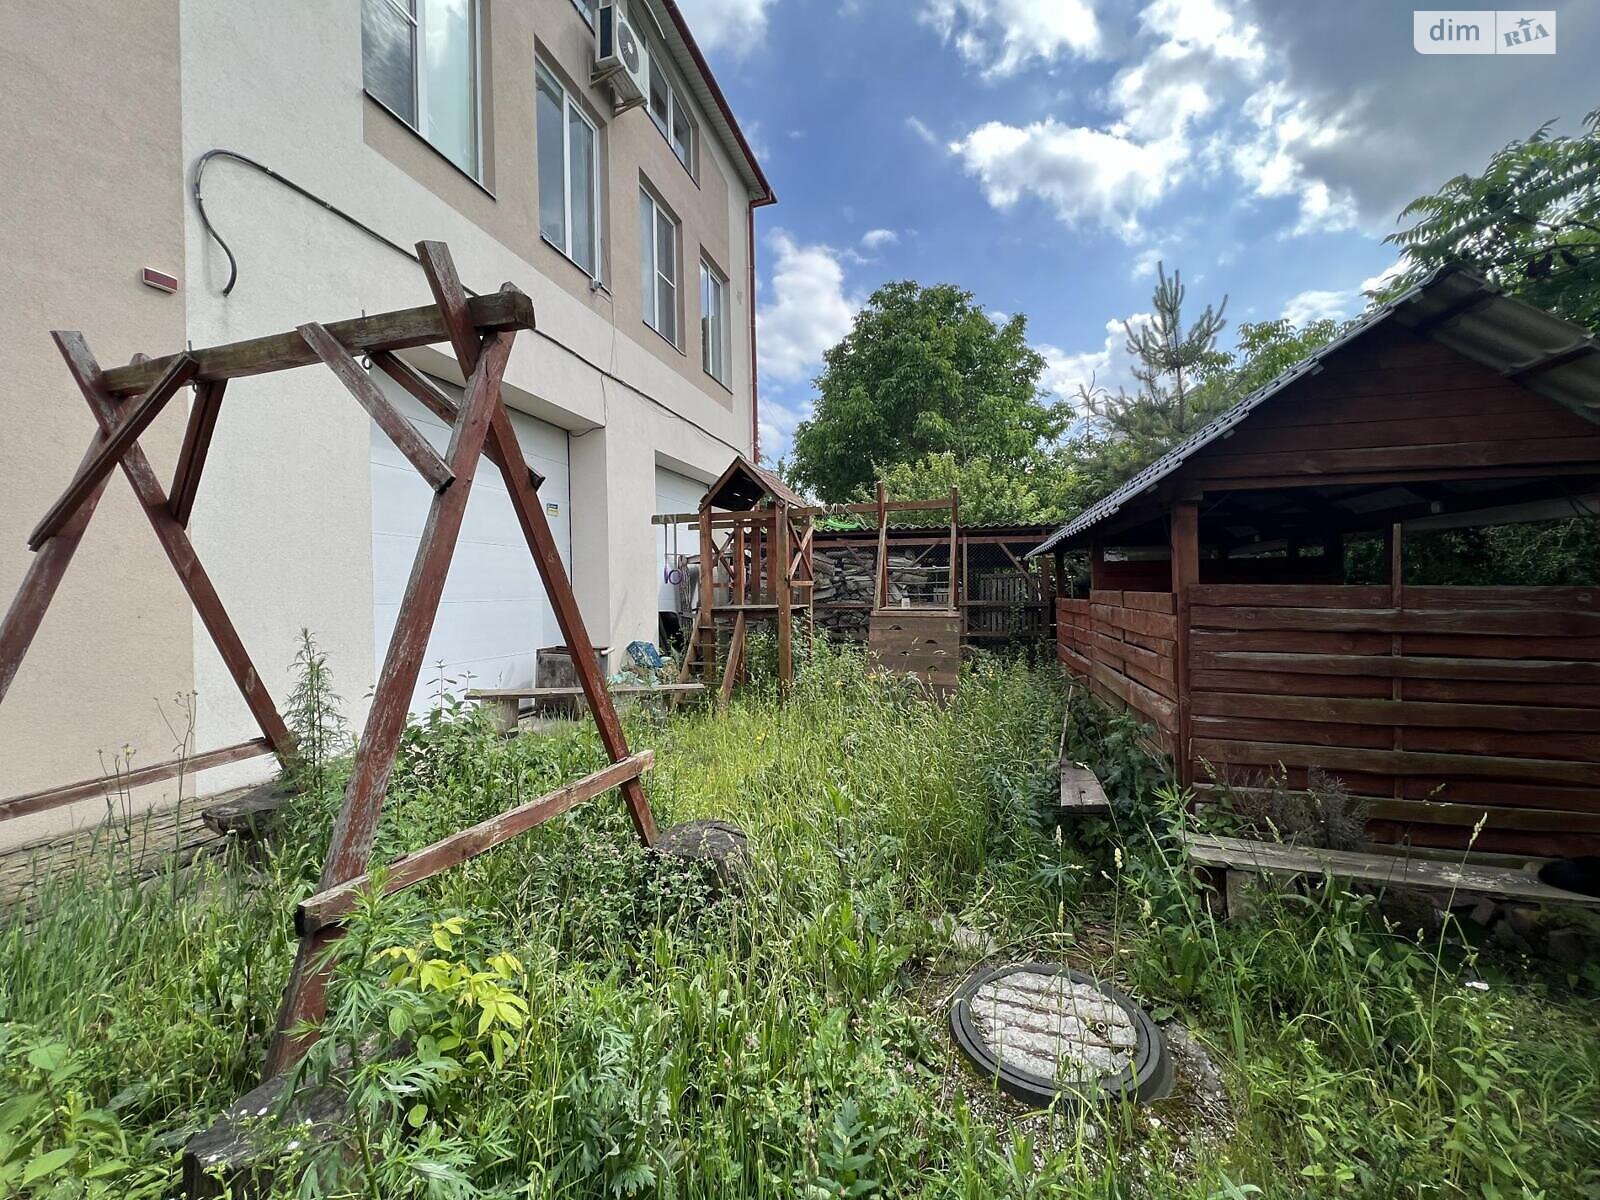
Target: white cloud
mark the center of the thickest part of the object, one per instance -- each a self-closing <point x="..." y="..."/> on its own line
<point x="1000" y="37"/>
<point x="1378" y="282"/>
<point x="736" y="26"/>
<point x="808" y="310"/>
<point x="1145" y="263"/>
<point x="1315" y="305"/>
<point x="876" y="239"/>
<point x="1109" y="368"/>
<point x="1088" y="176"/>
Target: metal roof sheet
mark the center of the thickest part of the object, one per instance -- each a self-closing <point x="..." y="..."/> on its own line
<point x="1456" y="307"/>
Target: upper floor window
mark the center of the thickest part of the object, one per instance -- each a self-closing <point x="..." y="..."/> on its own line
<point x="419" y="59"/>
<point x="658" y="257"/>
<point x="586" y="7"/>
<point x="671" y="114"/>
<point x="569" y="175"/>
<point x="713" y="323"/>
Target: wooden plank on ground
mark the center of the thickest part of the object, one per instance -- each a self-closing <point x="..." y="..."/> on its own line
<point x="1081" y="792"/>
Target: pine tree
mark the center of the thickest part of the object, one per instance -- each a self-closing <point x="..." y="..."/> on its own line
<point x="1173" y="363"/>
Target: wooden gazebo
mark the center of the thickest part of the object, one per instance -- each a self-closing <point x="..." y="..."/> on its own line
<point x="1220" y="611"/>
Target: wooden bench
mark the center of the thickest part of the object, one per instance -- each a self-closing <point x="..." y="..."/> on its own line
<point x="502" y="703"/>
<point x="1241" y="859"/>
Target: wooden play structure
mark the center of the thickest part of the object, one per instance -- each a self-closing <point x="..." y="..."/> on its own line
<point x="754" y="566"/>
<point x="125" y="400"/>
<point x="1220" y="612"/>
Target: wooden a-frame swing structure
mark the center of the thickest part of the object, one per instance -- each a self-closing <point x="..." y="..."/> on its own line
<point x="126" y="400"/>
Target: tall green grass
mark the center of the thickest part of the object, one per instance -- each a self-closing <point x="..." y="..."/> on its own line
<point x="571" y="1016"/>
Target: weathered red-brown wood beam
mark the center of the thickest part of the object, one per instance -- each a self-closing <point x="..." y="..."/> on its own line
<point x="399" y="430"/>
<point x="33" y="802"/>
<point x="454" y="307"/>
<point x="357" y="823"/>
<point x="196" y="445"/>
<point x="124" y="434"/>
<point x="179" y="551"/>
<point x="435" y="401"/>
<point x="400" y="330"/>
<point x="319" y="911"/>
<point x="43" y="576"/>
<point x="436" y="264"/>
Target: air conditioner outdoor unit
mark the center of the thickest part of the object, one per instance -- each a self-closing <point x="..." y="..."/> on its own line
<point x="621" y="58"/>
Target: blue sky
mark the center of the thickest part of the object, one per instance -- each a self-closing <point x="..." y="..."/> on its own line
<point x="1044" y="154"/>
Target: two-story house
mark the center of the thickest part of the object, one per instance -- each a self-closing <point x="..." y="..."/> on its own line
<point x="279" y="161"/>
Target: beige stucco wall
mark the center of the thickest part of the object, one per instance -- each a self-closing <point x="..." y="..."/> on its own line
<point x="91" y="188"/>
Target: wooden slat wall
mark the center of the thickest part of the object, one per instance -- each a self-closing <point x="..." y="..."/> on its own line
<point x="1497" y="716"/>
<point x="1122" y="645"/>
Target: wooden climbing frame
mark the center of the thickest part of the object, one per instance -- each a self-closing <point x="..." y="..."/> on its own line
<point x="126" y="400"/>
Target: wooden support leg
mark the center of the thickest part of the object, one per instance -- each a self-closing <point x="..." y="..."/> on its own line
<point x="353" y="832"/>
<point x="44" y="576"/>
<point x="180" y="552"/>
<point x="730" y="672"/>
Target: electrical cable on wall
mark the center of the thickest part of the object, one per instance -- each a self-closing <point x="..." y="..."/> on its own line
<point x="233" y="276"/>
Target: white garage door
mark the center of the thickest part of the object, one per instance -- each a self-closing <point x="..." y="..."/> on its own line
<point x="494" y="615"/>
<point x="674" y="494"/>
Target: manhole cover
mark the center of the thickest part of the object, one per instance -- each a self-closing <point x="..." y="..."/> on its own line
<point x="1043" y="1031"/>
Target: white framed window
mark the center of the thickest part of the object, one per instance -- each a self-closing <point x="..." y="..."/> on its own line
<point x="419" y="59"/>
<point x="569" y="174"/>
<point x="713" y="323"/>
<point x="658" y="257"/>
<point x="671" y="114"/>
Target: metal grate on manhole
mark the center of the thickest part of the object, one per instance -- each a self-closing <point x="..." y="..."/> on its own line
<point x="1043" y="1031"/>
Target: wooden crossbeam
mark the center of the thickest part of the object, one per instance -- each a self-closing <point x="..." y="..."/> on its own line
<point x="435" y="401"/>
<point x="401" y="330"/>
<point x="118" y="441"/>
<point x="326" y="907"/>
<point x="196" y="446"/>
<point x="399" y="430"/>
<point x="34" y="802"/>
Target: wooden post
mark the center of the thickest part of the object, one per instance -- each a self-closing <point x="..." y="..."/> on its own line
<point x="1396" y="544"/>
<point x="353" y="831"/>
<point x="740" y="582"/>
<point x="731" y="669"/>
<point x="955" y="533"/>
<point x="882" y="598"/>
<point x="782" y="595"/>
<point x="1185" y="571"/>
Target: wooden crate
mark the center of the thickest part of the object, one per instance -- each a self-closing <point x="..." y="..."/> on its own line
<point x="921" y="642"/>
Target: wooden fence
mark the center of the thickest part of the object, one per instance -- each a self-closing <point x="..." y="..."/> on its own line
<point x="1447" y="706"/>
<point x="1124" y="645"/>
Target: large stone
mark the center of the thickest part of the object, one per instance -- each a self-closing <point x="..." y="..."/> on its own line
<point x="722" y="847"/>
